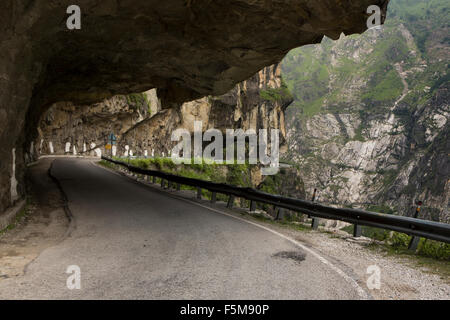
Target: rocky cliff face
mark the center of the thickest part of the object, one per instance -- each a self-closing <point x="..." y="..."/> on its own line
<point x="256" y="103"/>
<point x="370" y="122"/>
<point x="186" y="49"/>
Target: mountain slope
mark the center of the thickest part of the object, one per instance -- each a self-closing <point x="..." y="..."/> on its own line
<point x="369" y="124"/>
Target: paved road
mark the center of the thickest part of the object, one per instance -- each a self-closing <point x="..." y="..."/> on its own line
<point x="131" y="241"/>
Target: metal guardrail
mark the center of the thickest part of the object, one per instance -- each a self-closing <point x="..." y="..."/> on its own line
<point x="411" y="226"/>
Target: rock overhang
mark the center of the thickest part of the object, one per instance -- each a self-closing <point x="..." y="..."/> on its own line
<point x="186" y="49"/>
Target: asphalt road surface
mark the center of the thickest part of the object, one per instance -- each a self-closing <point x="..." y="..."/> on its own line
<point x="132" y="241"/>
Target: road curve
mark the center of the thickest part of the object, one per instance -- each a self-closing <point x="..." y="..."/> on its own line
<point x="135" y="242"/>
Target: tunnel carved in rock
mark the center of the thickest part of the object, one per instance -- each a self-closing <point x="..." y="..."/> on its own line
<point x="186" y="49"/>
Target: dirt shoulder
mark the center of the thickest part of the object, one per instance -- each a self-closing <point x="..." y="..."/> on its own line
<point x="43" y="224"/>
<point x="402" y="277"/>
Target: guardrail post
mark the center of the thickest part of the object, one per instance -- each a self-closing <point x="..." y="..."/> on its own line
<point x="414" y="243"/>
<point x="169" y="185"/>
<point x="252" y="206"/>
<point x="162" y="183"/>
<point x="199" y="193"/>
<point x="280" y="214"/>
<point x="315" y="221"/>
<point x="213" y="197"/>
<point x="357" y="231"/>
<point x="230" y="201"/>
<point x="178" y="187"/>
<point x="153" y="179"/>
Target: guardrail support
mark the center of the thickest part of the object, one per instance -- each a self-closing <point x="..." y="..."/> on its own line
<point x="252" y="206"/>
<point x="162" y="183"/>
<point x="199" y="193"/>
<point x="357" y="231"/>
<point x="154" y="179"/>
<point x="169" y="185"/>
<point x="178" y="187"/>
<point x="280" y="214"/>
<point x="315" y="223"/>
<point x="213" y="197"/>
<point x="414" y="243"/>
<point x="230" y="201"/>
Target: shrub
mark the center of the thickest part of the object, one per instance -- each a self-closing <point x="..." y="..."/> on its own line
<point x="434" y="249"/>
<point x="399" y="240"/>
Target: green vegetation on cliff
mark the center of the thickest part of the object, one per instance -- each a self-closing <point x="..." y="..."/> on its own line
<point x="340" y="74"/>
<point x="139" y="101"/>
<point x="281" y="94"/>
